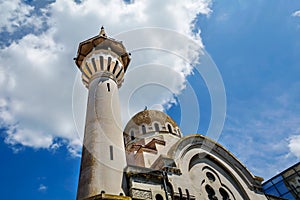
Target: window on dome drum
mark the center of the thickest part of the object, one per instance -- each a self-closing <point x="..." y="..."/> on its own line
<point x="170" y="128"/>
<point x="143" y="129"/>
<point x="180" y="193"/>
<point x="156" y="127"/>
<point x="178" y="131"/>
<point x="187" y="194"/>
<point x="132" y="135"/>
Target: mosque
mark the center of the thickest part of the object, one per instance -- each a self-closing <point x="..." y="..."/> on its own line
<point x="150" y="158"/>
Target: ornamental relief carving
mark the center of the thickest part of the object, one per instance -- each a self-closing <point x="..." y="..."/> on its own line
<point x="141" y="194"/>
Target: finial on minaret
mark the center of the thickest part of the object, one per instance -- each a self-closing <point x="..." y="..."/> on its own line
<point x="102" y="32"/>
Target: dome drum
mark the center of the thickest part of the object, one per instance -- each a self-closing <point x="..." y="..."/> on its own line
<point x="149" y="123"/>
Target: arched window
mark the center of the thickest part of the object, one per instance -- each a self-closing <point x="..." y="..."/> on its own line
<point x="132" y="135"/>
<point x="178" y="132"/>
<point x="210" y="176"/>
<point x="108" y="63"/>
<point x="156" y="127"/>
<point x="180" y="193"/>
<point x="159" y="197"/>
<point x="210" y="192"/>
<point x="224" y="194"/>
<point x="101" y="63"/>
<point x="143" y="129"/>
<point x="187" y="194"/>
<point x="170" y="128"/>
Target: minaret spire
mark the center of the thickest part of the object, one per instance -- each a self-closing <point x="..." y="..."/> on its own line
<point x="102" y="32"/>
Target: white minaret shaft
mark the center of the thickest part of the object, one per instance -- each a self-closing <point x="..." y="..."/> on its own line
<point x="103" y="65"/>
<point x="104" y="155"/>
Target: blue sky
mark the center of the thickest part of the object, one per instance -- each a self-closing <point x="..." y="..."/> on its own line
<point x="254" y="44"/>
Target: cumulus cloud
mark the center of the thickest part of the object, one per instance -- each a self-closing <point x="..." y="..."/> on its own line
<point x="294" y="145"/>
<point x="42" y="188"/>
<point x="15" y="14"/>
<point x="37" y="71"/>
<point x="296" y="13"/>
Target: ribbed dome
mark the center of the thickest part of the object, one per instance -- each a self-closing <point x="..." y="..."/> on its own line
<point x="150" y="116"/>
<point x="149" y="121"/>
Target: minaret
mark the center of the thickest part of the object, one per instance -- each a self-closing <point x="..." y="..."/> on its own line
<point x="103" y="62"/>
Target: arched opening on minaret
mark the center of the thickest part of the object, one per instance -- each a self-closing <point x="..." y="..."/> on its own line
<point x="119" y="73"/>
<point x="108" y="63"/>
<point x="115" y="67"/>
<point x="94" y="64"/>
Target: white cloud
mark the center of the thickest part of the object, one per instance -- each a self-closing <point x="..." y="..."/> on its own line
<point x="42" y="188"/>
<point x="296" y="13"/>
<point x="294" y="145"/>
<point x="37" y="72"/>
<point x="15" y="15"/>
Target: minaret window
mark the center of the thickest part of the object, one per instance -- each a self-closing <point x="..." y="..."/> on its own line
<point x="101" y="62"/>
<point x="111" y="151"/>
<point x="108" y="87"/>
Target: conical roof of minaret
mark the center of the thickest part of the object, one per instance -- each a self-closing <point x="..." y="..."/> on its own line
<point x="115" y="46"/>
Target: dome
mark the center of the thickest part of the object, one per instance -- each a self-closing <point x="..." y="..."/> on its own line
<point x="150" y="122"/>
